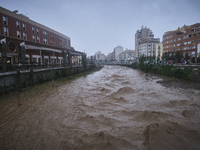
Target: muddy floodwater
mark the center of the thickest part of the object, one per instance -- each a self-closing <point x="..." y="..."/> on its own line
<point x="116" y="108"/>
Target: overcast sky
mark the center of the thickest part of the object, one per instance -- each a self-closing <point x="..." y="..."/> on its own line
<point x="102" y="25"/>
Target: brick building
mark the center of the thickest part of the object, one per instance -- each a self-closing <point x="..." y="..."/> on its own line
<point x="26" y="41"/>
<point x="185" y="40"/>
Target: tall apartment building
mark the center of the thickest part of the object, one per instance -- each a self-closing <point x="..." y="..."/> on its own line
<point x="147" y="47"/>
<point x="141" y="35"/>
<point x="117" y="51"/>
<point x="184" y="39"/>
<point x="41" y="44"/>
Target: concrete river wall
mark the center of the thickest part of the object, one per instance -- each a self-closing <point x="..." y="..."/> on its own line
<point x="16" y="79"/>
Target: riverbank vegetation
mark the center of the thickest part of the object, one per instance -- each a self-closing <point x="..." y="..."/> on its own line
<point x="186" y="73"/>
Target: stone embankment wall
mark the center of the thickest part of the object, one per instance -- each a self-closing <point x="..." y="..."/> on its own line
<point x="21" y="79"/>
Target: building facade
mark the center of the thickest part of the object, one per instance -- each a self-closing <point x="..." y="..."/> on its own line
<point x="126" y="56"/>
<point x="99" y="56"/>
<point x="147" y="47"/>
<point x="159" y="51"/>
<point x="110" y="56"/>
<point x="141" y="35"/>
<point x="26" y="41"/>
<point x="185" y="39"/>
<point x="117" y="51"/>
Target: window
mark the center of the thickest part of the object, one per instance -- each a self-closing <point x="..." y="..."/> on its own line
<point x="24" y="35"/>
<point x="193" y="47"/>
<point x="198" y="41"/>
<point x="185" y="43"/>
<point x="178" y="39"/>
<point x="186" y="36"/>
<point x="5" y="20"/>
<point x="50" y="35"/>
<point x="24" y="26"/>
<point x="33" y="29"/>
<point x="45" y="33"/>
<point x="53" y="36"/>
<point x="189" y="42"/>
<point x="33" y="36"/>
<point x="189" y="47"/>
<point x="174" y="40"/>
<point x="193" y="42"/>
<point x="17" y="24"/>
<point x="5" y="30"/>
<point x="37" y="30"/>
<point x="51" y="42"/>
<point x="44" y="41"/>
<point x="38" y="39"/>
<point x="185" y="48"/>
<point x="54" y="43"/>
<point x="18" y="34"/>
<point x="178" y="44"/>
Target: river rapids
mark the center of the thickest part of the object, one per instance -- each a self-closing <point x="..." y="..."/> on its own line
<point x="116" y="108"/>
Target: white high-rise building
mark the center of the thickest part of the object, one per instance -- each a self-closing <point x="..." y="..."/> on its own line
<point x="117" y="51"/>
<point x="141" y="35"/>
<point x="99" y="56"/>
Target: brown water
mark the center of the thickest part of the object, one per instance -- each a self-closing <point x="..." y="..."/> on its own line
<point x="116" y="108"/>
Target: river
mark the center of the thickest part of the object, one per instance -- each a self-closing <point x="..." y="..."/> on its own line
<point x="116" y="108"/>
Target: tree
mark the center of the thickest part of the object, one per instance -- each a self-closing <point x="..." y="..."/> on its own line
<point x="187" y="57"/>
<point x="173" y="57"/>
<point x="178" y="56"/>
<point x="158" y="58"/>
<point x="165" y="56"/>
<point x="141" y="63"/>
<point x="84" y="63"/>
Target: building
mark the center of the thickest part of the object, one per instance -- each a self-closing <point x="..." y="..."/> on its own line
<point x="126" y="56"/>
<point x="99" y="56"/>
<point x="28" y="42"/>
<point x="147" y="47"/>
<point x="142" y="34"/>
<point x="117" y="51"/>
<point x="110" y="56"/>
<point x="159" y="51"/>
<point x="185" y="39"/>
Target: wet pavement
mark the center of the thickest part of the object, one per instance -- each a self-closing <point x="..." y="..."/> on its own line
<point x="116" y="108"/>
